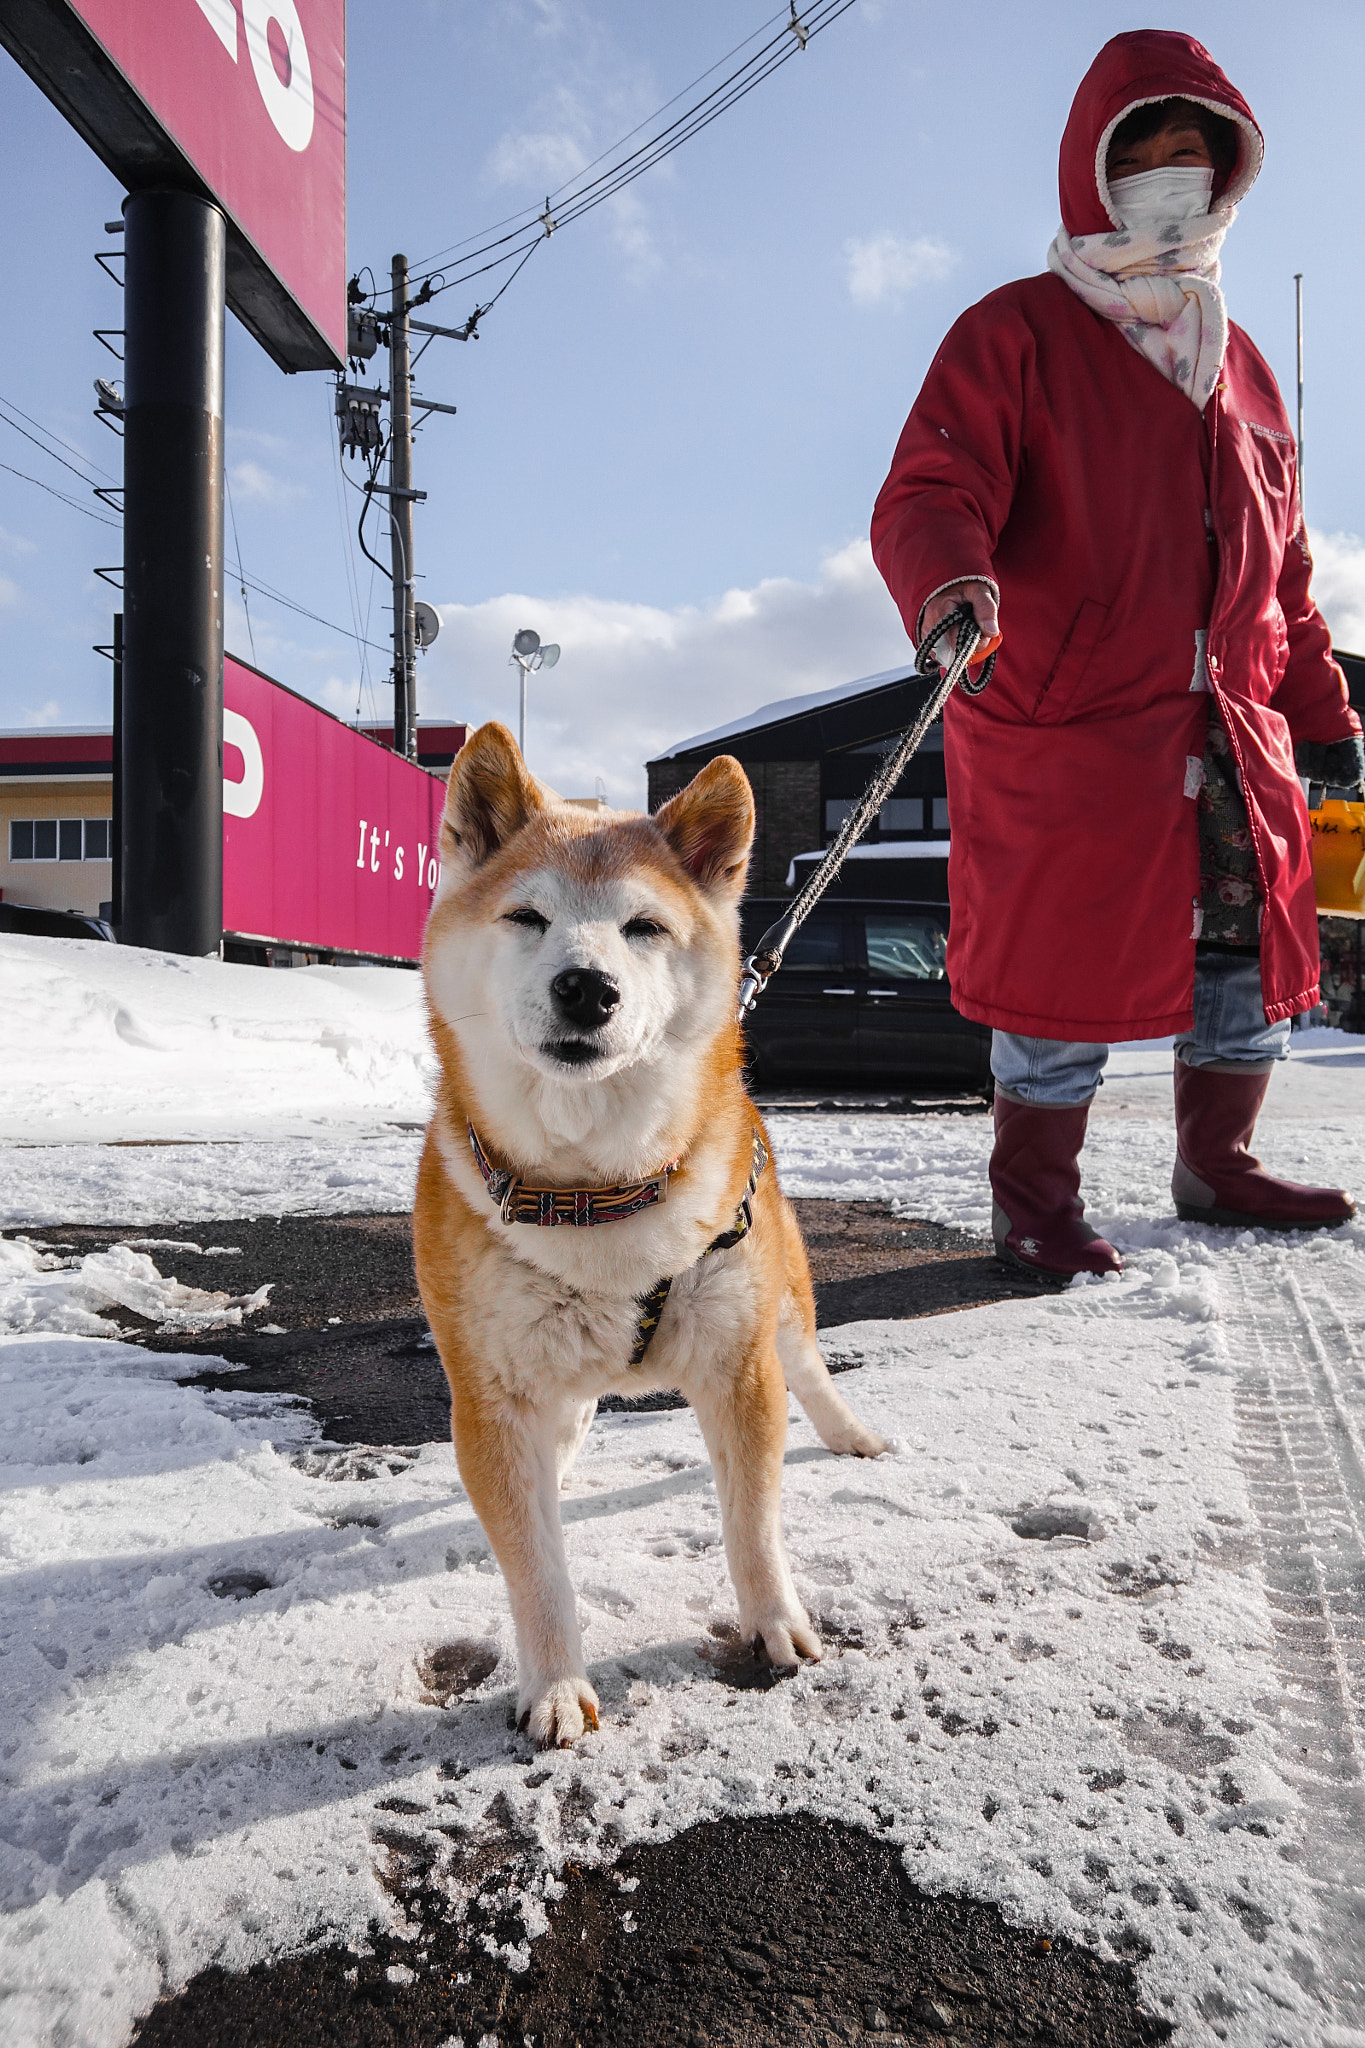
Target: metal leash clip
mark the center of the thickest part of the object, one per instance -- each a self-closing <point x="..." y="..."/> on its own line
<point x="502" y="1189"/>
<point x="766" y="957"/>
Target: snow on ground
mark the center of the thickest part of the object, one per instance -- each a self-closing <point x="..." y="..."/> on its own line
<point x="101" y="1043"/>
<point x="1055" y="1620"/>
<point x="43" y="1289"/>
<point x="1051" y="1676"/>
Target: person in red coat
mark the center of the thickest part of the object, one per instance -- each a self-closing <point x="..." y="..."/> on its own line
<point x="1100" y="463"/>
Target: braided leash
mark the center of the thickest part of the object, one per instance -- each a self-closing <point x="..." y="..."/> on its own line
<point x="766" y="957"/>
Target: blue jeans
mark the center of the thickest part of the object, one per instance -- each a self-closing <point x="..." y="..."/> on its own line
<point x="1229" y="1027"/>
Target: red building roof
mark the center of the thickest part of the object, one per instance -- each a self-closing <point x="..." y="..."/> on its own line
<point x="437" y="745"/>
<point x="57" y="750"/>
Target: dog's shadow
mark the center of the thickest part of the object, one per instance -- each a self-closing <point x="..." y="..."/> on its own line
<point x="584" y="1507"/>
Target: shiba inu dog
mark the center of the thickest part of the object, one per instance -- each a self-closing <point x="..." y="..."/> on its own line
<point x="593" y="1212"/>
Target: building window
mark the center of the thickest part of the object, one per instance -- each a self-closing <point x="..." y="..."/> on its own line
<point x="59" y="838"/>
<point x="902" y="814"/>
<point x="940" y="814"/>
<point x="836" y="810"/>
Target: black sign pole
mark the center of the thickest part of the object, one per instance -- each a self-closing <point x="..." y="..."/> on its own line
<point x="171" y="745"/>
<point x="116" y="822"/>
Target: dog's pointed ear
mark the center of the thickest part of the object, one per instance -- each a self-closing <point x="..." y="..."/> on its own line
<point x="710" y="826"/>
<point x="489" y="796"/>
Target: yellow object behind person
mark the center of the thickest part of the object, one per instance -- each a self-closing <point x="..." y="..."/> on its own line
<point x="1339" y="858"/>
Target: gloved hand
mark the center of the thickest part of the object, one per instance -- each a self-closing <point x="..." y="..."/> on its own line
<point x="1330" y="764"/>
<point x="979" y="595"/>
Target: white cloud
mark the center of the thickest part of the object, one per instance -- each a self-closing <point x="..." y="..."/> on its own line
<point x="567" y="129"/>
<point x="1339" y="586"/>
<point x="16" y="543"/>
<point x="546" y="159"/>
<point x="276" y="444"/>
<point x="887" y="266"/>
<point x="10" y="593"/>
<point x="252" y="480"/>
<point x="631" y="232"/>
<point x="635" y="678"/>
<point x="45" y="714"/>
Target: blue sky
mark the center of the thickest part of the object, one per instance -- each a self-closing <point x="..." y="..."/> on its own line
<point x="672" y="429"/>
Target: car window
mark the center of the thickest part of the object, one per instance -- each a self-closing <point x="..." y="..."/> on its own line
<point x="819" y="943"/>
<point x="905" y="946"/>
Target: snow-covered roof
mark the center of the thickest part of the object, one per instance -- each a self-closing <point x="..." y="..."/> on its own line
<point x="789" y="707"/>
<point x="885" y="849"/>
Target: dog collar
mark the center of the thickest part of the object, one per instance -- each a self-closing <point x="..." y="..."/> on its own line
<point x="582" y="1207"/>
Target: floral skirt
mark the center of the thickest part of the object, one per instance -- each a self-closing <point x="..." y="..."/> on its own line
<point x="1229" y="882"/>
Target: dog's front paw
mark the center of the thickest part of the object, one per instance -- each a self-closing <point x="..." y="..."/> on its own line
<point x="855" y="1440"/>
<point x="556" y="1714"/>
<point x="783" y="1640"/>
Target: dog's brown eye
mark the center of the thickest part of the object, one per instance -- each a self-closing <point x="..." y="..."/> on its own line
<point x="531" y="919"/>
<point x="644" y="928"/>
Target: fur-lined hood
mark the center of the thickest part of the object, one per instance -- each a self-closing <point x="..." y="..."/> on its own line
<point x="1132" y="69"/>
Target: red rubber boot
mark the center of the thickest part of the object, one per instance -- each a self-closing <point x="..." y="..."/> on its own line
<point x="1216" y="1180"/>
<point x="1038" y="1219"/>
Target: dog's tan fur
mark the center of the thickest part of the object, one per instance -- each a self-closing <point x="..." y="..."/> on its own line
<point x="533" y="1324"/>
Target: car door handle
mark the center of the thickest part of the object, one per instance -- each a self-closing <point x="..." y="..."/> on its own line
<point x="883" y="991"/>
<point x="838" y="991"/>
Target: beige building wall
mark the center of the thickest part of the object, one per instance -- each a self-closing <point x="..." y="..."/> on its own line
<point x="55" y="884"/>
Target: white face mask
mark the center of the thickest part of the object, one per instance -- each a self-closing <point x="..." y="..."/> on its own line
<point x="1152" y="198"/>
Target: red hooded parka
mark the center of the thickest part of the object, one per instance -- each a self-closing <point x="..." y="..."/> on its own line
<point x="1045" y="453"/>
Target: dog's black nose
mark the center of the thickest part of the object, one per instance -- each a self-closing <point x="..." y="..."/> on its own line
<point x="584" y="998"/>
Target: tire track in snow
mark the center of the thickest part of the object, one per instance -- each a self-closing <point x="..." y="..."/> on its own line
<point x="1299" y="1407"/>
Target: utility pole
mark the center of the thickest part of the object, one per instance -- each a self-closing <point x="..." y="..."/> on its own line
<point x="400" y="520"/>
<point x="170" y="856"/>
<point x="358" y="424"/>
<point x="1298" y="322"/>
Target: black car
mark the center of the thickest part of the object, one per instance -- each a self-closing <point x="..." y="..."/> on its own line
<point x="862" y="1000"/>
<point x="36" y="923"/>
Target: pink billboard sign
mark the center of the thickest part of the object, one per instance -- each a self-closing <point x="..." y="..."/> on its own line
<point x="329" y="840"/>
<point x="248" y="97"/>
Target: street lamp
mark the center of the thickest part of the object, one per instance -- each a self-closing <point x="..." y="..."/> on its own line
<point x="529" y="653"/>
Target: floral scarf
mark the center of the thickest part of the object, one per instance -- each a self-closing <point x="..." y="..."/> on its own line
<point x="1161" y="286"/>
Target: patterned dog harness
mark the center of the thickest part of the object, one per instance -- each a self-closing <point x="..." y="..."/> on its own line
<point x="585" y="1207"/>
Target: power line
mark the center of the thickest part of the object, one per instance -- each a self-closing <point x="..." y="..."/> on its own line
<point x="452" y="248"/>
<point x="69" y="447"/>
<point x="793" y="37"/>
<point x="278" y="597"/>
<point x="241" y="578"/>
<point x="72" y="502"/>
<point x="775" y="52"/>
<point x="261" y="589"/>
<point x="50" y="453"/>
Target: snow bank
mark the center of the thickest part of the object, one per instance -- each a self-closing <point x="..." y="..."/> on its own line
<point x="111" y="1043"/>
<point x="1049" y="1676"/>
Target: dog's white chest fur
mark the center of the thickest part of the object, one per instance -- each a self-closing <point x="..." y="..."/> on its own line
<point x="563" y="1313"/>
